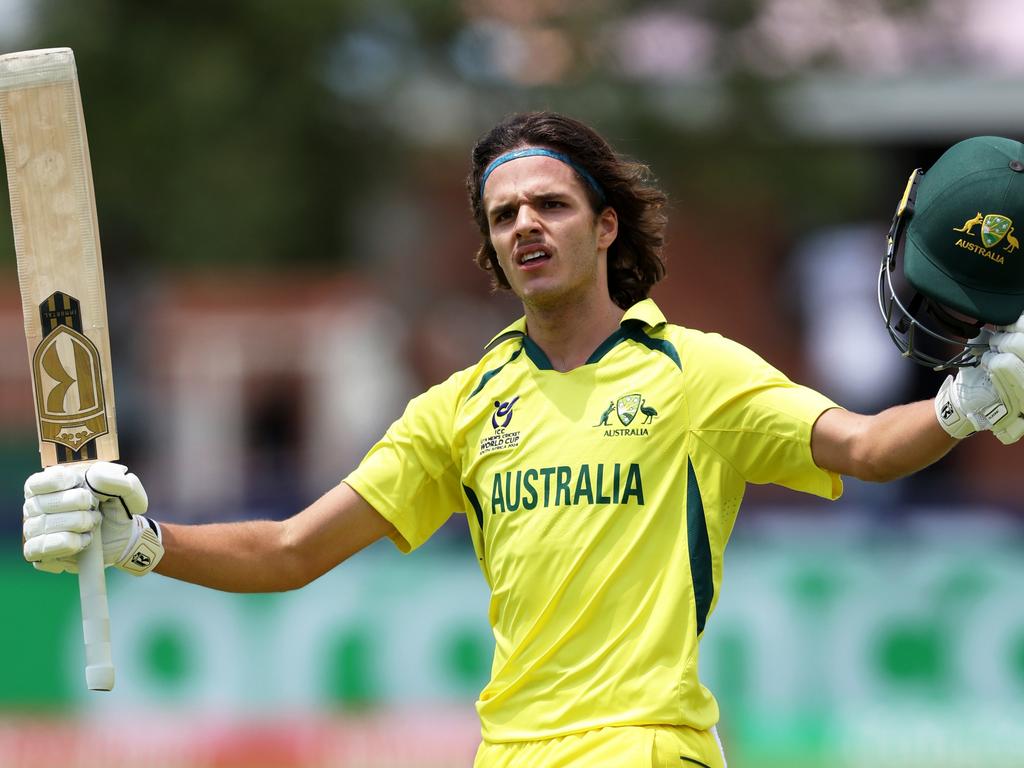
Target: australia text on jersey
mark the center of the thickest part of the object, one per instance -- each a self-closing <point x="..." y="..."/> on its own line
<point x="564" y="486"/>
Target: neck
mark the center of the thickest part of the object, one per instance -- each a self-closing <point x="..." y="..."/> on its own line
<point x="570" y="332"/>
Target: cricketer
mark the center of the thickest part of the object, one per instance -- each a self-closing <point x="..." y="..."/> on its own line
<point x="600" y="453"/>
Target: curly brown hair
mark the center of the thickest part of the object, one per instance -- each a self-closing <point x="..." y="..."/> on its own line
<point x="635" y="260"/>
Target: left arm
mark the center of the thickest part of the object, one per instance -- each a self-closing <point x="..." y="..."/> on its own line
<point x="896" y="442"/>
<point x="902" y="440"/>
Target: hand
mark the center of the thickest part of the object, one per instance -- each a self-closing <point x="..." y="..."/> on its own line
<point x="969" y="403"/>
<point x="989" y="396"/>
<point x="1005" y="363"/>
<point x="63" y="506"/>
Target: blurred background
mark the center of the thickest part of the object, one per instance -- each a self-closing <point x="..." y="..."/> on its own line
<point x="288" y="256"/>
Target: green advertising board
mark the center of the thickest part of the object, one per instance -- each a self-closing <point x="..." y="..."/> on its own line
<point x="824" y="650"/>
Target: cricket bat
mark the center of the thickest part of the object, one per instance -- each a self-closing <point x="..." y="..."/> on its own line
<point x="56" y="239"/>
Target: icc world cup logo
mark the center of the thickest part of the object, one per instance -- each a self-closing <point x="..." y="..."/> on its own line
<point x="503" y="411"/>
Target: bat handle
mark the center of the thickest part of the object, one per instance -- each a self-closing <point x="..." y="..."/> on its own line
<point x="92" y="587"/>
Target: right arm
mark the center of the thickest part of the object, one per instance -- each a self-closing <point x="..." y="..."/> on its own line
<point x="409" y="475"/>
<point x="61" y="512"/>
<point x="273" y="556"/>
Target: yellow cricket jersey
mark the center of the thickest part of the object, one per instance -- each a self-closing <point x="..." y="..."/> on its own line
<point x="599" y="502"/>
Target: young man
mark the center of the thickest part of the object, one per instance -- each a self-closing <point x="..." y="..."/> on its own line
<point x="600" y="455"/>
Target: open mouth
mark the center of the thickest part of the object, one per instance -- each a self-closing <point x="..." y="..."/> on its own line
<point x="533" y="258"/>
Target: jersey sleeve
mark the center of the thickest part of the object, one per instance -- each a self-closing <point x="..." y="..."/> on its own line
<point x="410" y="476"/>
<point x="758" y="420"/>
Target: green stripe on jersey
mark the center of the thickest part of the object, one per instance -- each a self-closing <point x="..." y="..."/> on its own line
<point x="700" y="549"/>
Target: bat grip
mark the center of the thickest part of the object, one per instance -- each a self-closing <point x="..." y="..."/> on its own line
<point x="92" y="587"/>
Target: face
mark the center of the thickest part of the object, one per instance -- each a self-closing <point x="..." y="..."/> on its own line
<point x="550" y="243"/>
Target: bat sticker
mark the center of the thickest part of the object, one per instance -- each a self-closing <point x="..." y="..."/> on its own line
<point x="68" y="381"/>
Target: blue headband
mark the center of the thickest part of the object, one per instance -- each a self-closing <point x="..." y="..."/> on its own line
<point x="540" y="152"/>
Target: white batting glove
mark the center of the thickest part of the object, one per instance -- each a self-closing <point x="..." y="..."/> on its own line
<point x="65" y="503"/>
<point x="1005" y="363"/>
<point x="989" y="396"/>
<point x="969" y="403"/>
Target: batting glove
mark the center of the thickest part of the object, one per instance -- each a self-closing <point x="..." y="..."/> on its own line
<point x="1005" y="363"/>
<point x="64" y="505"/>
<point x="989" y="396"/>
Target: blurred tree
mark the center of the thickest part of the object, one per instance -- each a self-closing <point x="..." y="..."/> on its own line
<point x="252" y="132"/>
<point x="215" y="136"/>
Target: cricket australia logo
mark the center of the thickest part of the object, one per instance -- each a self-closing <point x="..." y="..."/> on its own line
<point x="994" y="228"/>
<point x="501" y="439"/>
<point x="67" y="378"/>
<point x="626" y="409"/>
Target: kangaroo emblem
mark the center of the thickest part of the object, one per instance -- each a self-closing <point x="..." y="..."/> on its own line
<point x="604" y="416"/>
<point x="1011" y="242"/>
<point x="970" y="224"/>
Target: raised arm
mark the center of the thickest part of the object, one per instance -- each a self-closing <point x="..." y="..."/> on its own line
<point x="273" y="556"/>
<point x="894" y="443"/>
<point x="901" y="440"/>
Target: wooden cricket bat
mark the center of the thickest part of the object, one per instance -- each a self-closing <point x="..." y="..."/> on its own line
<point x="56" y="239"/>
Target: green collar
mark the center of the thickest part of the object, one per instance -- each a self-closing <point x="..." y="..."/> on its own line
<point x="643" y="314"/>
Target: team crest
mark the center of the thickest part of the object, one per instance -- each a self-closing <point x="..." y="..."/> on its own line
<point x="626" y="408"/>
<point x="994" y="228"/>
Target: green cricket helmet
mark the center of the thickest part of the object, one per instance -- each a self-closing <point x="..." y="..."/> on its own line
<point x="953" y="263"/>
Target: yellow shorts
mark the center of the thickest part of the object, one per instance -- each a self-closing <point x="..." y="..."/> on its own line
<point x="649" y="746"/>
